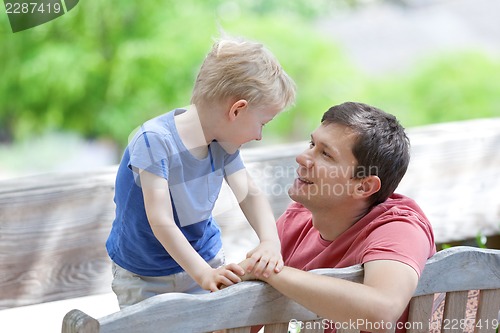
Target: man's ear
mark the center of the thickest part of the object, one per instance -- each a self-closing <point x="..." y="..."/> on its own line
<point x="367" y="186"/>
<point x="236" y="108"/>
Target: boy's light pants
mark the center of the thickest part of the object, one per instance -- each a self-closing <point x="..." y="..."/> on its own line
<point x="131" y="288"/>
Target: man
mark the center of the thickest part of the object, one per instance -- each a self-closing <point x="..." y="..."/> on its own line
<point x="346" y="213"/>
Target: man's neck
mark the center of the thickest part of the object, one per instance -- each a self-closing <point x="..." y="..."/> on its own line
<point x="332" y="223"/>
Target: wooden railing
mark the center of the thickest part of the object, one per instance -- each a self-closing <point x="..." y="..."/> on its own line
<point x="453" y="271"/>
<point x="53" y="226"/>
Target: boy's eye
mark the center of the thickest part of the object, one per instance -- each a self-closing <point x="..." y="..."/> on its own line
<point x="311" y="144"/>
<point x="326" y="154"/>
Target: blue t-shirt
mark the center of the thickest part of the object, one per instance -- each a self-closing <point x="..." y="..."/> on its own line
<point x="194" y="187"/>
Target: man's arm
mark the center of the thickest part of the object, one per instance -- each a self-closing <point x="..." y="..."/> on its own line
<point x="385" y="293"/>
<point x="160" y="216"/>
<point x="267" y="256"/>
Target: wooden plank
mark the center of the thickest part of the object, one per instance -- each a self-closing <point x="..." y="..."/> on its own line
<point x="274" y="174"/>
<point x="77" y="321"/>
<point x="258" y="303"/>
<point x="50" y="241"/>
<point x="420" y="313"/>
<point x="237" y="330"/>
<point x="347" y="330"/>
<point x="61" y="218"/>
<point x="488" y="311"/>
<point x="454" y="311"/>
<point x="456" y="269"/>
<point x="443" y="177"/>
<point x="276" y="328"/>
<point x="313" y="326"/>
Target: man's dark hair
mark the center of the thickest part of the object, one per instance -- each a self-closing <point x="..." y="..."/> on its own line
<point x="381" y="148"/>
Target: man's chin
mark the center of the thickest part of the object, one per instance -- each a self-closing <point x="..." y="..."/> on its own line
<point x="296" y="195"/>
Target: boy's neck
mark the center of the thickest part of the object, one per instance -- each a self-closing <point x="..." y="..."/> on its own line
<point x="190" y="129"/>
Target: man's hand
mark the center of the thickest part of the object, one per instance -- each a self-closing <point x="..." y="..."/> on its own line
<point x="214" y="279"/>
<point x="248" y="275"/>
<point x="265" y="259"/>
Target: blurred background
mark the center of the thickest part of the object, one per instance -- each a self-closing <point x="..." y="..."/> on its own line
<point x="73" y="89"/>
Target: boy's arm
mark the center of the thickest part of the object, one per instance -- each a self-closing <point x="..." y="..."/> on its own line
<point x="160" y="216"/>
<point x="385" y="293"/>
<point x="267" y="256"/>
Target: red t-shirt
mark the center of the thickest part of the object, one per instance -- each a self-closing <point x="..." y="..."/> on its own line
<point x="396" y="229"/>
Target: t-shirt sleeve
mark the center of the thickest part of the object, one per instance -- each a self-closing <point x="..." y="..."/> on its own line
<point x="149" y="152"/>
<point x="407" y="240"/>
<point x="233" y="163"/>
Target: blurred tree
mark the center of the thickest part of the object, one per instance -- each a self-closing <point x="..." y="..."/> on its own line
<point x="107" y="66"/>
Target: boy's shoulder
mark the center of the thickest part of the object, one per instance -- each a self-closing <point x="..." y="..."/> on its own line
<point x="160" y="126"/>
<point x="159" y="123"/>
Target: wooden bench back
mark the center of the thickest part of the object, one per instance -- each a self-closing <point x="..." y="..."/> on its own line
<point x="237" y="308"/>
<point x="53" y="226"/>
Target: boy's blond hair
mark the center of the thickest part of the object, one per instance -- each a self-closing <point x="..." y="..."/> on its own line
<point x="236" y="68"/>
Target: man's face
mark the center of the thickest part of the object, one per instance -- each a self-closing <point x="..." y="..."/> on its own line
<point x="324" y="175"/>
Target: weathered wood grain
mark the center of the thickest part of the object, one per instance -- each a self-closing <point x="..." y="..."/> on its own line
<point x="52" y="234"/>
<point x="466" y="268"/>
<point x="454" y="308"/>
<point x="53" y="226"/>
<point x="255" y="303"/>
<point x="421" y="313"/>
<point x="453" y="175"/>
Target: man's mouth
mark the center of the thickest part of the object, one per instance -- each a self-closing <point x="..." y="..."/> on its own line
<point x="304" y="180"/>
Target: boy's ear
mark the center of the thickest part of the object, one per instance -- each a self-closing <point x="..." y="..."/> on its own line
<point x="236" y="108"/>
<point x="367" y="186"/>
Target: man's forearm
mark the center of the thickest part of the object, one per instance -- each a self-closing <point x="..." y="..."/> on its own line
<point x="332" y="298"/>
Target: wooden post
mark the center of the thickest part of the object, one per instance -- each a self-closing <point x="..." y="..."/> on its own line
<point x="77" y="321"/>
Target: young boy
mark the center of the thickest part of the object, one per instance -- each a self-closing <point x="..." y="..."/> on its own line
<point x="164" y="238"/>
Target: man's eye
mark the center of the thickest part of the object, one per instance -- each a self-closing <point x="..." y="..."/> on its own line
<point x="311" y="144"/>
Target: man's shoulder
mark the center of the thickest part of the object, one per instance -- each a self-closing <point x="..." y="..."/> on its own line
<point x="399" y="202"/>
<point x="398" y="208"/>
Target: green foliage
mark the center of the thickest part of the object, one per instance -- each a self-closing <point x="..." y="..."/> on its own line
<point x="107" y="66"/>
<point x="446" y="87"/>
<point x="320" y="69"/>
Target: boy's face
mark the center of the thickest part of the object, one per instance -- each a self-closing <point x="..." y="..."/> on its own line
<point x="247" y="126"/>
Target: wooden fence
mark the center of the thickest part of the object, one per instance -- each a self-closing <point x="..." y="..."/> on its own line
<point x="53" y="226"/>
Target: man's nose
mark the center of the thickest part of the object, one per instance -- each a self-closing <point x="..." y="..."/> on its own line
<point x="304" y="159"/>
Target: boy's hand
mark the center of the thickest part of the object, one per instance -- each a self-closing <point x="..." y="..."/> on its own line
<point x="265" y="259"/>
<point x="214" y="279"/>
